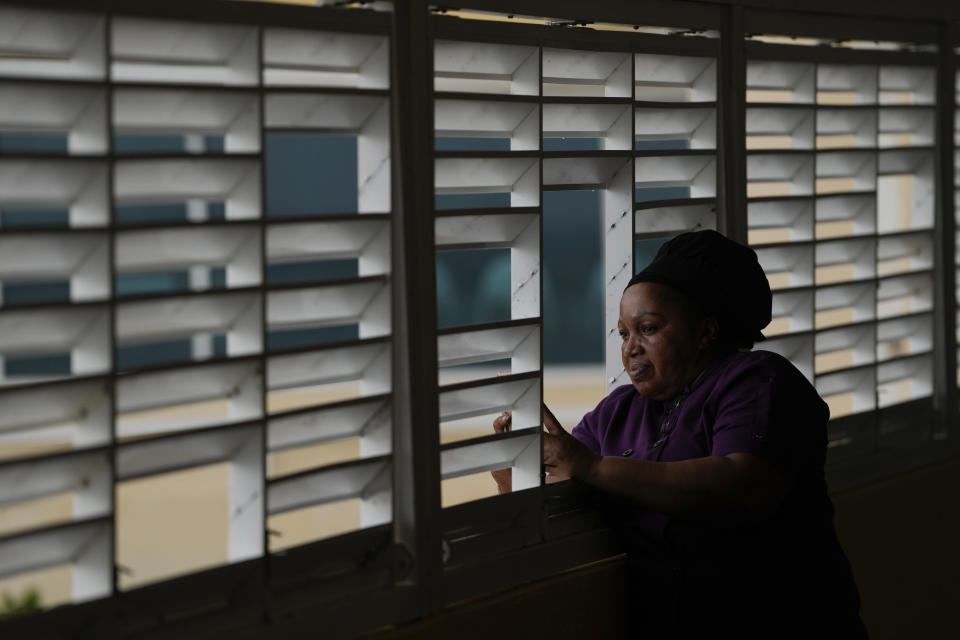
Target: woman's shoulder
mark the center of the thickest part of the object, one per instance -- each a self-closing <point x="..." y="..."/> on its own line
<point x="760" y="363"/>
<point x="746" y="374"/>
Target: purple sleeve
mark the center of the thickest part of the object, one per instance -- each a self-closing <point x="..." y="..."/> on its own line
<point x="768" y="410"/>
<point x="585" y="430"/>
<point x="592" y="428"/>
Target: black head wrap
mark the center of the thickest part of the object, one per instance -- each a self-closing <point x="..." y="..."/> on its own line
<point x="721" y="276"/>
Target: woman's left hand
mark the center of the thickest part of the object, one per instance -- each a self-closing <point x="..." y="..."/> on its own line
<point x="564" y="455"/>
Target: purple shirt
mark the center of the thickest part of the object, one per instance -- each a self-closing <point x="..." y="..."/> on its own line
<point x="748" y="402"/>
<point x="781" y="571"/>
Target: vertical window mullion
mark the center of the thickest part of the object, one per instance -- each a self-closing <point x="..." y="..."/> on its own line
<point x="946" y="132"/>
<point x="416" y="409"/>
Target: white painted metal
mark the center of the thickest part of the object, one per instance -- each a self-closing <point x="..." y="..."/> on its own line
<point x="245" y="498"/>
<point x="696" y="172"/>
<point x="490" y="455"/>
<point x="860" y="299"/>
<point x="856" y="83"/>
<point x="324" y="59"/>
<point x="493" y="230"/>
<point x="518" y="176"/>
<point x="904" y="254"/>
<point x="569" y="72"/>
<point x="44" y="44"/>
<point x="795" y="124"/>
<point x="618" y="266"/>
<point x="795" y="170"/>
<point x="339" y="114"/>
<point x="859" y="167"/>
<point x="525" y="273"/>
<point x="668" y="78"/>
<point x="902" y="161"/>
<point x="324" y="366"/>
<point x="913" y="374"/>
<point x="81" y="331"/>
<point x="233" y="181"/>
<point x="76" y="412"/>
<point x="792" y="218"/>
<point x="857" y="253"/>
<point x="860" y="383"/>
<point x="162" y="455"/>
<point x="904" y="337"/>
<point x="522" y="397"/>
<point x="906" y="127"/>
<point x="235" y="384"/>
<point x="795" y="263"/>
<point x="84" y="475"/>
<point x="486" y="68"/>
<point x="235" y="314"/>
<point x="857" y="345"/>
<point x="330" y="484"/>
<point x="908" y="84"/>
<point x="236" y="248"/>
<point x="698" y="127"/>
<point x="674" y="220"/>
<point x="63" y="545"/>
<point x="326" y="424"/>
<point x="376" y="506"/>
<point x="320" y="240"/>
<point x="860" y="210"/>
<point x="793" y="308"/>
<point x="233" y="115"/>
<point x="146" y="50"/>
<point x="373" y="161"/>
<point x="858" y="124"/>
<point x="79" y="259"/>
<point x="517" y="121"/>
<point x="77" y="112"/>
<point x="213" y="398"/>
<point x="331" y="305"/>
<point x="77" y="185"/>
<point x="904" y="294"/>
<point x="592" y="173"/>
<point x="777" y="81"/>
<point x="519" y="343"/>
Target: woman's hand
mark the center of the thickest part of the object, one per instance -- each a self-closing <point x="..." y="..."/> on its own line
<point x="564" y="455"/>
<point x="503" y="477"/>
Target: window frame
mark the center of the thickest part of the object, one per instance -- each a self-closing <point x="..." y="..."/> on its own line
<point x="395" y="571"/>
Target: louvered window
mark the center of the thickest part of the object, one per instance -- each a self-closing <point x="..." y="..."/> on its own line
<point x="841" y="211"/>
<point x="214" y="220"/>
<point x="182" y="348"/>
<point x="602" y="123"/>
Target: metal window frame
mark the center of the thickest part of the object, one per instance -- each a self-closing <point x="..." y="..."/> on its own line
<point x="407" y="551"/>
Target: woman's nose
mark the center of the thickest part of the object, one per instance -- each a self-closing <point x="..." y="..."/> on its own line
<point x="632" y="346"/>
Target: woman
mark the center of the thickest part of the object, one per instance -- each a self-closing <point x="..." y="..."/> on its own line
<point x="710" y="463"/>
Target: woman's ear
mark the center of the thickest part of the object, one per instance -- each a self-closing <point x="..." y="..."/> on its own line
<point x="709" y="332"/>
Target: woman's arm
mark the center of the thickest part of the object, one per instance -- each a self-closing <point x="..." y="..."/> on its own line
<point x="738" y="486"/>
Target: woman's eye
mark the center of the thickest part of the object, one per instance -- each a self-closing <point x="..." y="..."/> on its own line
<point x="648" y="329"/>
<point x="624" y="334"/>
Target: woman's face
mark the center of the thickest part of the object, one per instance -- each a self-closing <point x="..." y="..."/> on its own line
<point x="663" y="339"/>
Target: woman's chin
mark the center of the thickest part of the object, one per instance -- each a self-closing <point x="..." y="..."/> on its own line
<point x="643" y="387"/>
<point x="650" y="389"/>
